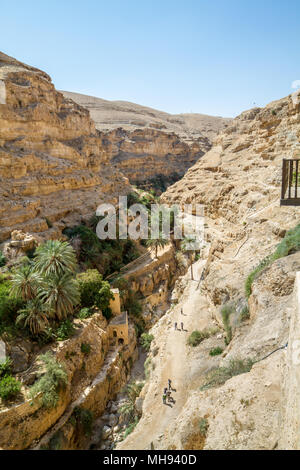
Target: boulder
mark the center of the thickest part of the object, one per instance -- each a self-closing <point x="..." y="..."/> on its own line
<point x="106" y="432"/>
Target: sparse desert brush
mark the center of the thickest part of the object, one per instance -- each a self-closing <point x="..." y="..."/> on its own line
<point x="227" y="310"/>
<point x="220" y="375"/>
<point x="196" y="337"/>
<point x="289" y="245"/>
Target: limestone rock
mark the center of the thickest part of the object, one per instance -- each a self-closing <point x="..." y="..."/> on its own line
<point x="54" y="166"/>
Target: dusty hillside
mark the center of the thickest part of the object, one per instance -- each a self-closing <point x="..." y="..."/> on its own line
<point x="147" y="144"/>
<point x="54" y="168"/>
<point x="238" y="181"/>
<point x="110" y="115"/>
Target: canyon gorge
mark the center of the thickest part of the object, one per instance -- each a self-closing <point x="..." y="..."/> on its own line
<point x="62" y="154"/>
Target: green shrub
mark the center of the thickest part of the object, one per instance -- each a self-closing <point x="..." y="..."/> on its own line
<point x="84" y="313"/>
<point x="203" y="427"/>
<point x="147" y="365"/>
<point x="245" y="315"/>
<point x="196" y="337"/>
<point x="131" y="427"/>
<point x="220" y="375"/>
<point x="146" y="340"/>
<point x="5" y="368"/>
<point x="53" y="380"/>
<point x="90" y="283"/>
<point x="226" y="311"/>
<point x="56" y="441"/>
<point x="215" y="351"/>
<point x="85" y="419"/>
<point x="9" y="387"/>
<point x="102" y="299"/>
<point x="9" y="307"/>
<point x="65" y="330"/>
<point x="85" y="348"/>
<point x="2" y="259"/>
<point x="289" y="245"/>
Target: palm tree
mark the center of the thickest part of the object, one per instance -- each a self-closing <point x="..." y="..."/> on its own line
<point x="56" y="258"/>
<point x="34" y="316"/>
<point x="185" y="246"/>
<point x="157" y="243"/>
<point x="60" y="295"/>
<point x="25" y="283"/>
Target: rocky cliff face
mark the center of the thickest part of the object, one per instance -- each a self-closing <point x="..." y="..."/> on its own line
<point x="54" y="168"/>
<point x="238" y="181"/>
<point x="146" y="143"/>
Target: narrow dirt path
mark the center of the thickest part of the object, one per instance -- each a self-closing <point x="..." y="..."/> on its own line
<point x="171" y="363"/>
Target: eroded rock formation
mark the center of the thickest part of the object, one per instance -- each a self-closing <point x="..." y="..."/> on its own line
<point x="146" y="143"/>
<point x="54" y="169"/>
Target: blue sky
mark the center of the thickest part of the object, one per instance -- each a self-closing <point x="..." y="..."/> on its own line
<point x="215" y="57"/>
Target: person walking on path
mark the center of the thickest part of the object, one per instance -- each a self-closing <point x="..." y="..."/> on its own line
<point x="181" y="311"/>
<point x="181" y="326"/>
<point x="175" y="326"/>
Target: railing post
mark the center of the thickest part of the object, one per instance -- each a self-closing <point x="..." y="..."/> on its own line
<point x="291" y="163"/>
<point x="283" y="182"/>
<point x="296" y="182"/>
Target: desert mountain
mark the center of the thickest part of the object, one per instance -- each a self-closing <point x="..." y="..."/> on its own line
<point x="54" y="168"/>
<point x="152" y="148"/>
<point x="109" y="115"/>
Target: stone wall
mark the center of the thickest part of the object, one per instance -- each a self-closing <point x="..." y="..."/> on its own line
<point x="54" y="167"/>
<point x="92" y="381"/>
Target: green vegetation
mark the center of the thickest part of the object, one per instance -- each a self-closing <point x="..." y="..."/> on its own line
<point x="159" y="183"/>
<point x="132" y="390"/>
<point x="157" y="243"/>
<point x="51" y="382"/>
<point x="40" y="292"/>
<point x="5" y="368"/>
<point x="146" y="340"/>
<point x="106" y="255"/>
<point x="85" y="348"/>
<point x="203" y="426"/>
<point x="226" y="311"/>
<point x="55" y="258"/>
<point x="220" y="375"/>
<point x="289" y="245"/>
<point x="60" y="295"/>
<point x="245" y="315"/>
<point x="55" y="442"/>
<point x="9" y="387"/>
<point x="216" y="351"/>
<point x="84" y="419"/>
<point x="94" y="291"/>
<point x="2" y="259"/>
<point x="9" y="308"/>
<point x="26" y="283"/>
<point x="65" y="330"/>
<point x="131" y="427"/>
<point x="127" y="410"/>
<point x="84" y="313"/>
<point x="196" y="337"/>
<point x="34" y="316"/>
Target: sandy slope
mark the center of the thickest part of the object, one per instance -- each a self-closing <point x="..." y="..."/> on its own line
<point x="109" y="115"/>
<point x="171" y="362"/>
